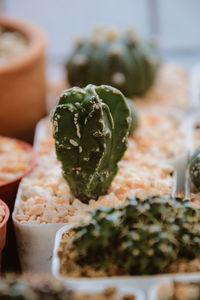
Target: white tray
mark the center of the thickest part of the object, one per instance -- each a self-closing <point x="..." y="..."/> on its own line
<point x="35" y="242"/>
<point x="142" y="282"/>
<point x="164" y="289"/>
<point x="122" y="289"/>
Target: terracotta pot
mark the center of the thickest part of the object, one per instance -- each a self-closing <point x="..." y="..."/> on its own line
<point x="8" y="189"/>
<point x="22" y="82"/>
<point x="3" y="227"/>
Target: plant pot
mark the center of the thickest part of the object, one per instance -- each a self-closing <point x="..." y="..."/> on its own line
<point x="142" y="282"/>
<point x="22" y="82"/>
<point x="3" y="228"/>
<point x="8" y="189"/>
<point x="34" y="243"/>
<point x="165" y="288"/>
<point x="123" y="289"/>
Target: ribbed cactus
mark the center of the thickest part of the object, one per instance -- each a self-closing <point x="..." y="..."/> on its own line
<point x="194" y="168"/>
<point x="141" y="237"/>
<point x="118" y="60"/>
<point x="91" y="126"/>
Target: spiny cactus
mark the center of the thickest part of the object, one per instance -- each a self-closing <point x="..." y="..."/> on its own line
<point x="118" y="60"/>
<point x="140" y="237"/>
<point x="33" y="287"/>
<point x="194" y="168"/>
<point x="91" y="126"/>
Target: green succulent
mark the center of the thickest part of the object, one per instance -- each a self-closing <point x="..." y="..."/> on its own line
<point x="91" y="127"/>
<point x="33" y="287"/>
<point x="118" y="60"/>
<point x="140" y="237"/>
<point x="194" y="168"/>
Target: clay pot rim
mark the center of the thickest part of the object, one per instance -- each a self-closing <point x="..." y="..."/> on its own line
<point x="5" y="219"/>
<point x="36" y="37"/>
<point x="30" y="167"/>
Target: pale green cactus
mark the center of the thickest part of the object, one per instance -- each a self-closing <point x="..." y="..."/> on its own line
<point x="122" y="61"/>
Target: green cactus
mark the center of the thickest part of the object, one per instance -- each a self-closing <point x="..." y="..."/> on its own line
<point x="134" y="116"/>
<point x="33" y="287"/>
<point x="91" y="126"/>
<point x="194" y="168"/>
<point x="121" y="61"/>
<point x="141" y="237"/>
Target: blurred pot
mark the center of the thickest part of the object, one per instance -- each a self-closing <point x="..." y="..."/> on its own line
<point x="8" y="189"/>
<point x="3" y="227"/>
<point x="22" y="82"/>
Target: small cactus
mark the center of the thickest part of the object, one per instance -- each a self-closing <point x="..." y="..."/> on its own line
<point x="33" y="287"/>
<point x="194" y="168"/>
<point x="91" y="127"/>
<point x="141" y="237"/>
<point x="122" y="61"/>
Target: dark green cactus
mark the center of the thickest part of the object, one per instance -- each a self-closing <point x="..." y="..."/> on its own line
<point x="141" y="237"/>
<point x="33" y="287"/>
<point x="91" y="126"/>
<point x="134" y="116"/>
<point x="194" y="168"/>
<point x="121" y="61"/>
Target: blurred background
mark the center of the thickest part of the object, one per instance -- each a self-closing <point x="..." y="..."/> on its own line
<point x="175" y="22"/>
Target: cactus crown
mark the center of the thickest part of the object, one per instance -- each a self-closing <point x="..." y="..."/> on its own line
<point x="91" y="127"/>
<point x="194" y="168"/>
<point x="140" y="237"/>
<point x="122" y="61"/>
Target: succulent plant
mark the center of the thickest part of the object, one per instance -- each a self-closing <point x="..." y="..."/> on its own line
<point x="121" y="61"/>
<point x="194" y="168"/>
<point x="142" y="236"/>
<point x="33" y="287"/>
<point x="91" y="128"/>
<point x="134" y="116"/>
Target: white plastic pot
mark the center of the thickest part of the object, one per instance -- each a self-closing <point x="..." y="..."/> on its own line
<point x="142" y="282"/>
<point x="35" y="242"/>
<point x="165" y="288"/>
<point x="122" y="289"/>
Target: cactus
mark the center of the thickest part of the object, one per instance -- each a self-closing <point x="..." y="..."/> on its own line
<point x="194" y="168"/>
<point x="91" y="126"/>
<point x="34" y="287"/>
<point x="141" y="237"/>
<point x="121" y="61"/>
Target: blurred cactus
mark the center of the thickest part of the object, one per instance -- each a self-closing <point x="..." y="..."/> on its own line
<point x="141" y="237"/>
<point x="121" y="61"/>
<point x="91" y="126"/>
<point x="194" y="168"/>
<point x="33" y="287"/>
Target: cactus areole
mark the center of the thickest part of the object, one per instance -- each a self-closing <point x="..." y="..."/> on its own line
<point x="122" y="61"/>
<point x="91" y="127"/>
